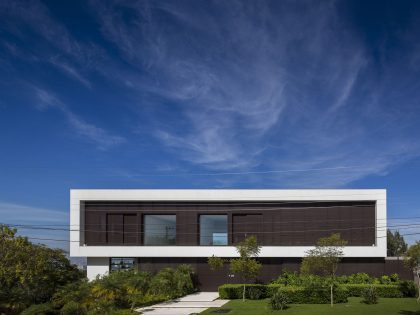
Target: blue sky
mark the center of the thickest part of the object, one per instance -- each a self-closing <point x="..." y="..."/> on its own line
<point x="206" y="94"/>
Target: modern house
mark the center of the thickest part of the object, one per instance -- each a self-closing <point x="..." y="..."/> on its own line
<point x="153" y="229"/>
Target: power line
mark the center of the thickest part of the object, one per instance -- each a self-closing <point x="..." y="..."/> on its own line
<point x="377" y="228"/>
<point x="200" y="214"/>
<point x="70" y="241"/>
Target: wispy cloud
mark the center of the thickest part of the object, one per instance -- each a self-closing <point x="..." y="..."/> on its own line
<point x="103" y="139"/>
<point x="240" y="86"/>
<point x="71" y="71"/>
<point x="50" y="40"/>
<point x="280" y="86"/>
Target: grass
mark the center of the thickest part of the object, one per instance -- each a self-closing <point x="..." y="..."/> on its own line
<point x="405" y="306"/>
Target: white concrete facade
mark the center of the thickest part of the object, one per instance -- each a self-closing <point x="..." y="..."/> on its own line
<point x="102" y="253"/>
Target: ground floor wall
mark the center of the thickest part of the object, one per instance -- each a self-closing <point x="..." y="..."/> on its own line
<point x="272" y="267"/>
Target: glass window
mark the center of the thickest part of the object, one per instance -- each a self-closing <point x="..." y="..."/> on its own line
<point x="159" y="229"/>
<point x="213" y="229"/>
<point x="118" y="264"/>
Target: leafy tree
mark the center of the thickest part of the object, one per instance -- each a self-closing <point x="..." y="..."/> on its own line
<point x="30" y="273"/>
<point x="215" y="263"/>
<point x="246" y="266"/>
<point x="324" y="258"/>
<point x="396" y="245"/>
<point x="412" y="260"/>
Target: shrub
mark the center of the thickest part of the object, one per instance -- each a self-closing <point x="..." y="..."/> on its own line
<point x="288" y="278"/>
<point x="173" y="283"/>
<point x="383" y="290"/>
<point x="295" y="294"/>
<point x="234" y="291"/>
<point x="73" y="308"/>
<point x="385" y="280"/>
<point x="279" y="300"/>
<point x="370" y="295"/>
<point x="395" y="278"/>
<point x="408" y="288"/>
<point x="254" y="293"/>
<point x="359" y="278"/>
<point x="314" y="295"/>
<point x="76" y="291"/>
<point x="40" y="309"/>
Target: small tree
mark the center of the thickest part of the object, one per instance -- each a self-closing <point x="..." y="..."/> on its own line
<point x="396" y="245"/>
<point x="412" y="261"/>
<point x="324" y="258"/>
<point x="246" y="266"/>
<point x="215" y="262"/>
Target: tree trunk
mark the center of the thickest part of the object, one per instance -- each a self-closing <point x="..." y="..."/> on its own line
<point x="243" y="294"/>
<point x="332" y="298"/>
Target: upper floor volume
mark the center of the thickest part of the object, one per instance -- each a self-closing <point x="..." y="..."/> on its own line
<point x="201" y="223"/>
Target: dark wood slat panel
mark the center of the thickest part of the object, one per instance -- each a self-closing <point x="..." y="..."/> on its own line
<point x="130" y="229"/>
<point x="115" y="228"/>
<point x="278" y="224"/>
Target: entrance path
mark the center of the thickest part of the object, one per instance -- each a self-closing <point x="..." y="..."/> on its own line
<point x="189" y="304"/>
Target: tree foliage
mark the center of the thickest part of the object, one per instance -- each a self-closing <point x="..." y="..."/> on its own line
<point x="412" y="261"/>
<point x="215" y="262"/>
<point x="396" y="245"/>
<point x="30" y="273"/>
<point x="324" y="258"/>
<point x="246" y="266"/>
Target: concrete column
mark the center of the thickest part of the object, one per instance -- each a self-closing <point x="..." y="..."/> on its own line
<point x="97" y="266"/>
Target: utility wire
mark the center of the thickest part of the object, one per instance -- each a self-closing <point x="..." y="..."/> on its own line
<point x="379" y="228"/>
<point x="70" y="241"/>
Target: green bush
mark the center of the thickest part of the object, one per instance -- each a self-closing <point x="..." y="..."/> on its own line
<point x="359" y="278"/>
<point x="254" y="293"/>
<point x="383" y="290"/>
<point x="395" y="278"/>
<point x="279" y="300"/>
<point x="385" y="280"/>
<point x="40" y="309"/>
<point x="370" y="295"/>
<point x="79" y="291"/>
<point x="295" y="279"/>
<point x="234" y="291"/>
<point x="288" y="278"/>
<point x="73" y="308"/>
<point x="408" y="288"/>
<point x="314" y="295"/>
<point x="295" y="294"/>
<point x="173" y="283"/>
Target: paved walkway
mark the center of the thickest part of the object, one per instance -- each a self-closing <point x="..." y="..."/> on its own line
<point x="190" y="304"/>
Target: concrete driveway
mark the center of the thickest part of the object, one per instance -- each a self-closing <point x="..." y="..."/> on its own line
<point x="189" y="304"/>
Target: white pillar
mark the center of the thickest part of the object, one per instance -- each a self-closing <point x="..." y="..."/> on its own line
<point x="97" y="266"/>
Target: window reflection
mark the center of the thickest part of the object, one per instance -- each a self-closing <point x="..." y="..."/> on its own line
<point x="159" y="229"/>
<point x="213" y="229"/>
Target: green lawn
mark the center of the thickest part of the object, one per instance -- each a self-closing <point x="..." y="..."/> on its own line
<point x="406" y="306"/>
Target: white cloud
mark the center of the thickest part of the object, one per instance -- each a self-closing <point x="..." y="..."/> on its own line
<point x="103" y="139"/>
<point x="272" y="85"/>
<point x="72" y="72"/>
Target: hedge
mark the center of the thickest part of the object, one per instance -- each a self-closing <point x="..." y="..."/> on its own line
<point x="316" y="294"/>
<point x="235" y="291"/>
<point x="383" y="290"/>
<point x="295" y="294"/>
